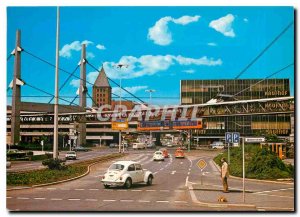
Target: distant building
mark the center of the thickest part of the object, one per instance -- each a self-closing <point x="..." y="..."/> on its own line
<point x="101" y="90"/>
<point x="129" y="104"/>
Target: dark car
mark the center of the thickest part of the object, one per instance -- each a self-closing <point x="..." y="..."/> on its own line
<point x="113" y="145"/>
<point x="80" y="148"/>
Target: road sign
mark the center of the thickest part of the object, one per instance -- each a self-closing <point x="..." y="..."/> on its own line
<point x="236" y="137"/>
<point x="254" y="139"/>
<point x="228" y="137"/>
<point x="201" y="164"/>
<point x="119" y="125"/>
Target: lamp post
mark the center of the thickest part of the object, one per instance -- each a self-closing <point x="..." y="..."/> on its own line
<point x="150" y="91"/>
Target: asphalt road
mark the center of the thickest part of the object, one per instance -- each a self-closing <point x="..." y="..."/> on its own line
<point x="170" y="190"/>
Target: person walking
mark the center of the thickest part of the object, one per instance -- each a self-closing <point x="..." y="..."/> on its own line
<point x="224" y="175"/>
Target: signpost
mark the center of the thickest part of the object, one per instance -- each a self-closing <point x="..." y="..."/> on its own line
<point x="231" y="138"/>
<point x="119" y="124"/>
<point x="201" y="164"/>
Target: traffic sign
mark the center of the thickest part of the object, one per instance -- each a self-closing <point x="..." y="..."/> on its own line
<point x="236" y="137"/>
<point x="119" y="125"/>
<point x="228" y="137"/>
<point x="254" y="139"/>
<point x="201" y="164"/>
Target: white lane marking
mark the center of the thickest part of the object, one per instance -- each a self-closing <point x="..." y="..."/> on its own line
<point x="189" y="169"/>
<point x="186" y="181"/>
<point x="154" y="173"/>
<point x="39" y="198"/>
<point x="91" y="199"/>
<point x="276" y="208"/>
<point x="108" y="200"/>
<point x="126" y="200"/>
<point x="150" y="190"/>
<point x="55" y="199"/>
<point x="164" y="190"/>
<point x="23" y="198"/>
<point x="161" y="168"/>
<point x="188" y="173"/>
<point x="180" y="201"/>
<point x="173" y="172"/>
<point x="79" y="189"/>
<point x="74" y="199"/>
<point x="8" y="197"/>
<point x="144" y="201"/>
<point x="162" y="201"/>
<point x="282" y="189"/>
<point x="136" y="190"/>
<point x="273" y="195"/>
<point x="261" y="210"/>
<point x="98" y="175"/>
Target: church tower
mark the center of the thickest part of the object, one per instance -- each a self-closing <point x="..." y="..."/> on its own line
<point x="101" y="90"/>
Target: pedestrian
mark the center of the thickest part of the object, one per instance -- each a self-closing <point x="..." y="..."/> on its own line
<point x="224" y="175"/>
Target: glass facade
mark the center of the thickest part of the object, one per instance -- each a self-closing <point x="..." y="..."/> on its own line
<point x="202" y="91"/>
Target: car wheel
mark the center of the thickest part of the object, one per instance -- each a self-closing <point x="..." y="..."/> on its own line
<point x="128" y="183"/>
<point x="150" y="179"/>
<point x="106" y="186"/>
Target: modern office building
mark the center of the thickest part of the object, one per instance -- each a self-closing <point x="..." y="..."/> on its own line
<point x="213" y="91"/>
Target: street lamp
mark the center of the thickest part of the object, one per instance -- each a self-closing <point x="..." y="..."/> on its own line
<point x="150" y="91"/>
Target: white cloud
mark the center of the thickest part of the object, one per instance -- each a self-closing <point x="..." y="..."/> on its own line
<point x="246" y="20"/>
<point x="101" y="47"/>
<point x="160" y="33"/>
<point x="133" y="90"/>
<point x="90" y="77"/>
<point x="189" y="71"/>
<point x="89" y="55"/>
<point x="213" y="44"/>
<point x="224" y="25"/>
<point x="150" y="65"/>
<point x="67" y="49"/>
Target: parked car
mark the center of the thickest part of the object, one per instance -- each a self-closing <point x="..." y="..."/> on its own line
<point x="158" y="155"/>
<point x="165" y="152"/>
<point x="217" y="145"/>
<point x="80" y="148"/>
<point x="126" y="173"/>
<point x="150" y="145"/>
<point x="71" y="155"/>
<point x="113" y="145"/>
<point x="179" y="153"/>
<point x="139" y="145"/>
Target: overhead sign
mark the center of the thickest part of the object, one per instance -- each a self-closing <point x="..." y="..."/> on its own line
<point x="119" y="125"/>
<point x="255" y="139"/>
<point x="232" y="137"/>
<point x="201" y="164"/>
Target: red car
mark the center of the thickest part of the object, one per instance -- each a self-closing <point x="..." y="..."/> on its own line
<point x="165" y="152"/>
<point x="179" y="153"/>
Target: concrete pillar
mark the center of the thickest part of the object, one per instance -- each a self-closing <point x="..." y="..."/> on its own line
<point x="82" y="95"/>
<point x="16" y="98"/>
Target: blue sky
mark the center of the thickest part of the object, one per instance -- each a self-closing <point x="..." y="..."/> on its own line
<point x="161" y="45"/>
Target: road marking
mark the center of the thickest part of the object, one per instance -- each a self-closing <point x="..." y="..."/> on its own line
<point x="181" y="162"/>
<point x="144" y="201"/>
<point x="55" y="199"/>
<point x="276" y="208"/>
<point x="273" y="195"/>
<point x="91" y="199"/>
<point x="94" y="189"/>
<point x="189" y="169"/>
<point x="188" y="173"/>
<point x="161" y="168"/>
<point x="39" y="198"/>
<point x="74" y="199"/>
<point x="282" y="189"/>
<point x="162" y="201"/>
<point x="79" y="189"/>
<point x="154" y="173"/>
<point x="126" y="200"/>
<point x="180" y="201"/>
<point x="121" y="190"/>
<point x="23" y="198"/>
<point x="164" y="190"/>
<point x="8" y="197"/>
<point x="98" y="175"/>
<point x="186" y="181"/>
<point x="150" y="190"/>
<point x="108" y="200"/>
<point x="261" y="210"/>
<point x="173" y="172"/>
<point x="179" y="190"/>
<point x="136" y="190"/>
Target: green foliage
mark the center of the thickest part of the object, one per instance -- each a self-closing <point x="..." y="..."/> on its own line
<point x="16" y="155"/>
<point x="259" y="163"/>
<point x="40" y="157"/>
<point x="44" y="176"/>
<point x="54" y="164"/>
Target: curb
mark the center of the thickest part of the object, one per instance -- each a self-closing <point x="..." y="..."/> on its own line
<point x="58" y="182"/>
<point x="255" y="180"/>
<point x="208" y="204"/>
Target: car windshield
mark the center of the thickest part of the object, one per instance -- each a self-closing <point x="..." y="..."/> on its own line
<point x="71" y="152"/>
<point x="179" y="152"/>
<point x="158" y="152"/>
<point x="116" y="167"/>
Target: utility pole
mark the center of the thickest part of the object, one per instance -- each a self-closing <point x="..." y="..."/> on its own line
<point x="150" y="91"/>
<point x="55" y="137"/>
<point x="16" y="100"/>
<point x="82" y="95"/>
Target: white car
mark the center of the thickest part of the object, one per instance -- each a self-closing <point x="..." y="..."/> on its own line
<point x="139" y="145"/>
<point x="217" y="145"/>
<point x="71" y="155"/>
<point x="126" y="173"/>
<point x="158" y="155"/>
